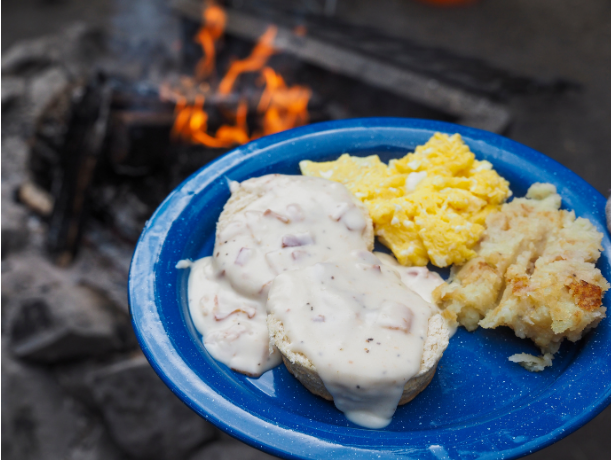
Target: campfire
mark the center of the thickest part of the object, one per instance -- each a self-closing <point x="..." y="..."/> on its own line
<point x="280" y="107"/>
<point x="109" y="146"/>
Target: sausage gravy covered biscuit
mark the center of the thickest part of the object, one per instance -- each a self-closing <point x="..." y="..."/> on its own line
<point x="270" y="225"/>
<point x="351" y="331"/>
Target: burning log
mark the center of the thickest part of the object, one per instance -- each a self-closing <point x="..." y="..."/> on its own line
<point x="322" y="50"/>
<point x="186" y="159"/>
<point x="279" y="107"/>
<point x="138" y="140"/>
<point x="80" y="155"/>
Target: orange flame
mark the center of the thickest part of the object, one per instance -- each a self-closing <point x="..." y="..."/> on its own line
<point x="191" y="123"/>
<point x="214" y="19"/>
<point x="281" y="107"/>
<point x="257" y="59"/>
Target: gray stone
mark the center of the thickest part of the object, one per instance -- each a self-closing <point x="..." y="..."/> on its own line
<point x="229" y="448"/>
<point x="13" y="240"/>
<point x="45" y="88"/>
<point x="37" y="53"/>
<point x="12" y="89"/>
<point x="105" y="266"/>
<point x="39" y="421"/>
<point x="129" y="215"/>
<point x="144" y="417"/>
<point x="15" y="234"/>
<point x="15" y="152"/>
<point x="76" y="377"/>
<point x="55" y="319"/>
<point x="78" y="42"/>
<point x="96" y="443"/>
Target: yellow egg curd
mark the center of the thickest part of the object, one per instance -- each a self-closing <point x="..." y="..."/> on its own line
<point x="429" y="205"/>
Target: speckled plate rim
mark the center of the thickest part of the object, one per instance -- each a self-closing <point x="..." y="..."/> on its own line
<point x="320" y="440"/>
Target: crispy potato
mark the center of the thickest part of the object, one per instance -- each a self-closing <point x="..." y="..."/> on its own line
<point x="535" y="272"/>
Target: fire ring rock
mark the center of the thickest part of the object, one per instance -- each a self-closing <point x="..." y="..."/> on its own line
<point x="59" y="319"/>
<point x="40" y="421"/>
<point x="144" y="417"/>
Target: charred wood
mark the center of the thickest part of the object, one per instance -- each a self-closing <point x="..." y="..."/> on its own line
<point x="79" y="158"/>
<point x="138" y="139"/>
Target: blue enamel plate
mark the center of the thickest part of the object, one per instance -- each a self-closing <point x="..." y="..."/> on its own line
<point x="479" y="404"/>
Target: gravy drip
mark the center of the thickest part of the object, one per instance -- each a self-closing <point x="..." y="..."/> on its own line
<point x="233" y="326"/>
<point x="360" y="326"/>
<point x="280" y="223"/>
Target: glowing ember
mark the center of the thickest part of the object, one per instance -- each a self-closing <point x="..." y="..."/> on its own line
<point x="280" y="107"/>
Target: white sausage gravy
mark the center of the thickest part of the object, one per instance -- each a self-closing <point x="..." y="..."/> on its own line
<point x="360" y="326"/>
<point x="270" y="225"/>
<point x="417" y="278"/>
<point x="306" y="242"/>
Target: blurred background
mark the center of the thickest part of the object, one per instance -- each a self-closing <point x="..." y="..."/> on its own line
<point x="107" y="105"/>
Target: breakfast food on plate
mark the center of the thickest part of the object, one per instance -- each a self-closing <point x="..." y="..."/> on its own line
<point x="269" y="225"/>
<point x="274" y="233"/>
<point x="351" y="331"/>
<point x="292" y="277"/>
<point x="535" y="272"/>
<point x="429" y="205"/>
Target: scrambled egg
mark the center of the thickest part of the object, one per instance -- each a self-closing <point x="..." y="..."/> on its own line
<point x="429" y="205"/>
